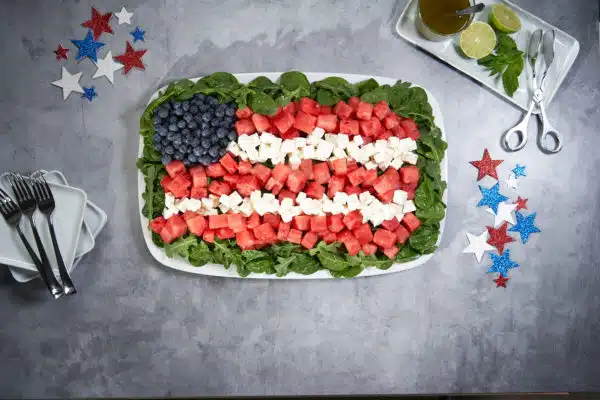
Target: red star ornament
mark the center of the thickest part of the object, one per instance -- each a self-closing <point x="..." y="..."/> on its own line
<point x="501" y="281"/>
<point x="131" y="58"/>
<point x="486" y="166"/>
<point x="499" y="237"/>
<point x="61" y="53"/>
<point x="99" y="23"/>
<point x="521" y="203"/>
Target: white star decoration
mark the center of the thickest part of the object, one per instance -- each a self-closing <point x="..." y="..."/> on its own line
<point x="512" y="181"/>
<point x="124" y="16"/>
<point x="107" y="67"/>
<point x="478" y="245"/>
<point x="69" y="83"/>
<point x="504" y="213"/>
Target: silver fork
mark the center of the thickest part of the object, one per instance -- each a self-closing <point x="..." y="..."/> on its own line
<point x="45" y="202"/>
<point x="27" y="205"/>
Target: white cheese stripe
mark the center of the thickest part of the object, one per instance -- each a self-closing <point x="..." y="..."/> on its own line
<point x="373" y="210"/>
<point x="321" y="146"/>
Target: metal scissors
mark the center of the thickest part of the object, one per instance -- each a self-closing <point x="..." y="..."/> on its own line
<point x="520" y="130"/>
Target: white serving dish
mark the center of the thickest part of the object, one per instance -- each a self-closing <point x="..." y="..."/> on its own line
<point x="566" y="49"/>
<point x="219" y="270"/>
<point x="68" y="218"/>
<point x="94" y="219"/>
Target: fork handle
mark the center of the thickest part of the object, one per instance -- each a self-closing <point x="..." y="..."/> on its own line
<point x="51" y="281"/>
<point x="68" y="286"/>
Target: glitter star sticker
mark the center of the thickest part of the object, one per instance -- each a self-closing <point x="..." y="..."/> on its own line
<point x="504" y="213"/>
<point x="501" y="264"/>
<point x="89" y="93"/>
<point x="131" y="58"/>
<point x="68" y="83"/>
<point x="88" y="47"/>
<point x="525" y="226"/>
<point x="486" y="166"/>
<point x="519" y="170"/>
<point x="107" y="67"/>
<point x="521" y="203"/>
<point x="499" y="237"/>
<point x="61" y="53"/>
<point x="137" y="34"/>
<point x="491" y="197"/>
<point x="124" y="16"/>
<point x="512" y="182"/>
<point x="478" y="245"/>
<point x="501" y="281"/>
<point x="99" y="23"/>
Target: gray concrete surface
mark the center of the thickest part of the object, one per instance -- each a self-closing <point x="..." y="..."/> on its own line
<point x="140" y="329"/>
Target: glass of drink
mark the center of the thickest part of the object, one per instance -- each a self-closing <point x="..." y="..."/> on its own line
<point x="437" y="19"/>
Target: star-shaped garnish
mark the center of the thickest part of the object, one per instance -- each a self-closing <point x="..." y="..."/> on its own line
<point x="124" y="16"/>
<point x="521" y="203"/>
<point x="478" y="245"/>
<point x="501" y="264"/>
<point x="107" y="67"/>
<point x="512" y="182"/>
<point x="501" y="281"/>
<point x="137" y="34"/>
<point x="99" y="23"/>
<point x="69" y="83"/>
<point x="519" y="170"/>
<point x="61" y="53"/>
<point x="504" y="213"/>
<point x="491" y="197"/>
<point x="88" y="47"/>
<point x="131" y="58"/>
<point x="499" y="237"/>
<point x="486" y="166"/>
<point x="525" y="226"/>
<point x="89" y="93"/>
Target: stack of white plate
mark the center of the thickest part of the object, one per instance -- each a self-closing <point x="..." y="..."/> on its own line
<point x="77" y="222"/>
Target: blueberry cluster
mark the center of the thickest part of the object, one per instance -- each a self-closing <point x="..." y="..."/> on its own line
<point x="196" y="131"/>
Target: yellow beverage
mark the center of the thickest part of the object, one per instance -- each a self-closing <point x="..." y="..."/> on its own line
<point x="440" y="15"/>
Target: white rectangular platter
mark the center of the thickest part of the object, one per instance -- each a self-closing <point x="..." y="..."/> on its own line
<point x="219" y="270"/>
<point x="566" y="49"/>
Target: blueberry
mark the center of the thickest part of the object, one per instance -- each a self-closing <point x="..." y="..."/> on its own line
<point x="178" y="112"/>
<point x="157" y="146"/>
<point x="173" y="128"/>
<point x="167" y="106"/>
<point x="213" y="151"/>
<point x="186" y="163"/>
<point x="185" y="106"/>
<point x="229" y="120"/>
<point x="215" y="122"/>
<point x="205" y="143"/>
<point x="206" y="117"/>
<point x="224" y="142"/>
<point x="203" y="107"/>
<point x="163" y="113"/>
<point x="192" y="158"/>
<point x="201" y="96"/>
<point x="192" y="124"/>
<point x="156" y="137"/>
<point x="185" y="132"/>
<point x="162" y="130"/>
<point x="212" y="100"/>
<point x="187" y="139"/>
<point x="165" y="142"/>
<point x="205" y="133"/>
<point x="232" y="135"/>
<point x="169" y="149"/>
<point x="221" y="133"/>
<point x="194" y="109"/>
<point x="204" y="125"/>
<point x="176" y="105"/>
<point x="224" y="124"/>
<point x="194" y="141"/>
<point x="165" y="159"/>
<point x="188" y="117"/>
<point x="197" y="133"/>
<point x="178" y="156"/>
<point x="181" y="124"/>
<point x="176" y="142"/>
<point x="214" y="138"/>
<point x="220" y="113"/>
<point x="197" y="151"/>
<point x="230" y="112"/>
<point x="156" y="120"/>
<point x="183" y="149"/>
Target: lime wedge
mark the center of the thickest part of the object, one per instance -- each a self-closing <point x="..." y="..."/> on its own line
<point x="504" y="19"/>
<point x="478" y="40"/>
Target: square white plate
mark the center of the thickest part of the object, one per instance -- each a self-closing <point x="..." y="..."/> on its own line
<point x="566" y="49"/>
<point x="219" y="270"/>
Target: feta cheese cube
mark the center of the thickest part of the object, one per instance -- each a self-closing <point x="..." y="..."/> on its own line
<point x="381" y="146"/>
<point x="224" y="199"/>
<point x="342" y="140"/>
<point x="316" y="136"/>
<point x="328" y="206"/>
<point x="396" y="211"/>
<point x="288" y="146"/>
<point x="410" y="158"/>
<point x="369" y="149"/>
<point x="209" y="202"/>
<point x="406" y="145"/>
<point x="267" y="138"/>
<point x="253" y="154"/>
<point x="371" y="165"/>
<point x="324" y="150"/>
<point x="169" y="200"/>
<point x="268" y="198"/>
<point x="287" y="204"/>
<point x="233" y="148"/>
<point x="340" y="198"/>
<point x="255" y="197"/>
<point x="255" y="138"/>
<point x="409" y="206"/>
<point x="295" y="161"/>
<point x="393" y="142"/>
<point x="224" y="208"/>
<point x="300" y="142"/>
<point x="331" y="138"/>
<point x="235" y="199"/>
<point x="366" y="198"/>
<point x="358" y="140"/>
<point x="246" y="208"/>
<point x="243" y="156"/>
<point x="353" y="202"/>
<point x="339" y="152"/>
<point x="169" y="212"/>
<point x="396" y="163"/>
<point x="300" y="197"/>
<point x="287" y="217"/>
<point x="308" y="152"/>
<point x="194" y="205"/>
<point x="352" y="147"/>
<point x="400" y="197"/>
<point x="212" y="211"/>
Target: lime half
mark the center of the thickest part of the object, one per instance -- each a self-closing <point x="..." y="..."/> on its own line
<point x="504" y="19"/>
<point x="478" y="40"/>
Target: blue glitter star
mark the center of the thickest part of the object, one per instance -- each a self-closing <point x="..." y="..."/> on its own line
<point x="491" y="197"/>
<point x="88" y="47"/>
<point x="519" y="170"/>
<point x="137" y="34"/>
<point x="89" y="93"/>
<point x="524" y="226"/>
<point x="501" y="264"/>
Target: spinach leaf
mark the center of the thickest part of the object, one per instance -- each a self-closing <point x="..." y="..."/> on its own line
<point x="376" y="95"/>
<point x="323" y="246"/>
<point x="337" y="86"/>
<point x="332" y="261"/>
<point x="263" y="83"/>
<point x="181" y="247"/>
<point x="149" y="194"/>
<point x="157" y="240"/>
<point x="220" y="80"/>
<point x="251" y="255"/>
<point x="435" y="212"/>
<point x="295" y="81"/>
<point x="262" y="103"/>
<point x="349" y="272"/>
<point x="377" y="262"/>
<point x="366" y="86"/>
<point x="283" y="249"/>
<point x="406" y="254"/>
<point x="424" y="194"/>
<point x="242" y="270"/>
<point x="423" y="239"/>
<point x="282" y="266"/>
<point x="260" y="266"/>
<point x="200" y="254"/>
<point x="327" y="98"/>
<point x="304" y="264"/>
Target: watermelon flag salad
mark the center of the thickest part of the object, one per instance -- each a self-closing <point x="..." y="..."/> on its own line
<point x="292" y="176"/>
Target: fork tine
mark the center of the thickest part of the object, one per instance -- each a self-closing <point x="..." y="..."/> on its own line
<point x="47" y="188"/>
<point x="3" y="194"/>
<point x="27" y="186"/>
<point x="26" y="193"/>
<point x="37" y="190"/>
<point x="15" y="187"/>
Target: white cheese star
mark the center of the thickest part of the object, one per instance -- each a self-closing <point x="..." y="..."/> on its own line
<point x="478" y="245"/>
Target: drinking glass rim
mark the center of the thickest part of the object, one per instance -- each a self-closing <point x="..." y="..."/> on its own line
<point x="465" y="26"/>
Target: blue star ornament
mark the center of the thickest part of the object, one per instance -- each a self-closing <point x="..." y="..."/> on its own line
<point x="137" y="34"/>
<point x="519" y="170"/>
<point x="524" y="226"/>
<point x="88" y="47"/>
<point x="501" y="264"/>
<point x="89" y="93"/>
<point x="491" y="197"/>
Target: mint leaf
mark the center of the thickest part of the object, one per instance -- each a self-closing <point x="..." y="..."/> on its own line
<point x="507" y="60"/>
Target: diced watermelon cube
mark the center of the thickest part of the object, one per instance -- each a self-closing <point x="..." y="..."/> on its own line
<point x="236" y="222"/>
<point x="318" y="223"/>
<point x="157" y="224"/>
<point x="324" y="110"/>
<point x="357" y="176"/>
<point x="369" y="249"/>
<point x="352" y="246"/>
<point x="349" y="189"/>
<point x="198" y="192"/>
<point x="385" y="135"/>
<point x="402" y="234"/>
<point x="261" y="123"/>
<point x="286" y="194"/>
<point x="215" y="170"/>
<point x="174" y="168"/>
<point x="384" y="238"/>
<point x="265" y="232"/>
<point x="231" y="179"/>
<point x="247" y="184"/>
<point x="369" y="178"/>
<point x="218" y="221"/>
<point x="308" y="106"/>
<point x="349" y="127"/>
<point x="336" y="184"/>
<point x="253" y="221"/>
<point x="198" y="176"/>
<point x="229" y="163"/>
<point x="244" y="167"/>
<point x="262" y="172"/>
<point x="363" y="233"/>
<point x="273" y="186"/>
<point x="340" y="166"/>
<point x="381" y="110"/>
<point x="281" y="172"/>
<point x="284" y="121"/>
<point x="305" y="122"/>
<point x="244" y="127"/>
<point x="364" y="111"/>
<point x="291" y="133"/>
<point x="328" y="122"/>
<point x="164" y="182"/>
<point x="411" y="222"/>
<point x="410" y="127"/>
<point x="371" y="128"/>
<point x="409" y="174"/>
<point x="399" y="132"/>
<point x="386" y="197"/>
<point x="329" y="237"/>
<point x="290" y="107"/>
<point x="336" y="222"/>
<point x="309" y="240"/>
<point x="391" y="224"/>
<point x="353" y="219"/>
<point x="208" y="236"/>
<point x="391" y="121"/>
<point x="283" y="231"/>
<point x="315" y="191"/>
<point x="301" y="222"/>
<point x="273" y="219"/>
<point x="321" y="173"/>
<point x="180" y="185"/>
<point x="196" y="224"/>
<point x="351" y="165"/>
<point x="242" y="113"/>
<point x="343" y="110"/>
<point x="245" y="240"/>
<point x="219" y="188"/>
<point x="391" y="252"/>
<point x="345" y="235"/>
<point x="354" y="102"/>
<point x="294" y="236"/>
<point x="306" y="166"/>
<point x="225" y="233"/>
<point x="296" y="181"/>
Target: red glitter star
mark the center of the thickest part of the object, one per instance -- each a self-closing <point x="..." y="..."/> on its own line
<point x="486" y="166"/>
<point x="499" y="237"/>
<point x="501" y="281"/>
<point x="99" y="23"/>
<point x="521" y="203"/>
<point x="131" y="58"/>
<point x="61" y="53"/>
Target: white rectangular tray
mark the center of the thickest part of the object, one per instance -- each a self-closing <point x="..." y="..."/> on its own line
<point x="219" y="270"/>
<point x="566" y="49"/>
